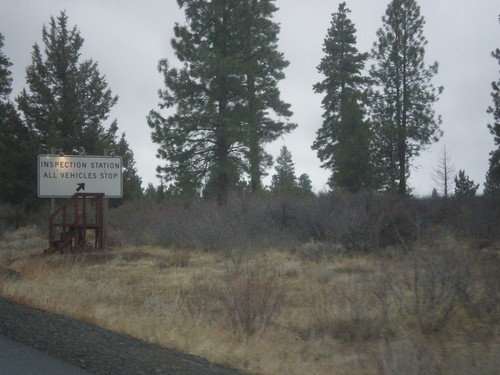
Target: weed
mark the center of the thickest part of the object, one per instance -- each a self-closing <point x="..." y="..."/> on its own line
<point x="253" y="296"/>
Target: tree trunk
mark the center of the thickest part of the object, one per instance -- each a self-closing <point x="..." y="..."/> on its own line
<point x="222" y="142"/>
<point x="253" y="138"/>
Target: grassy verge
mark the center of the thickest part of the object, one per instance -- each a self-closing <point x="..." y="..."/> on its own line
<point x="431" y="308"/>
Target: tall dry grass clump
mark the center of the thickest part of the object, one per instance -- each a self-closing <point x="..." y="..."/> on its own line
<point x="253" y="295"/>
<point x="426" y="286"/>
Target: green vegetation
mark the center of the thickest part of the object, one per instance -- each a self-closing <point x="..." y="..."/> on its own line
<point x="492" y="185"/>
<point x="222" y="96"/>
<point x="403" y="115"/>
<point x="270" y="279"/>
<point x="226" y="107"/>
<point x="343" y="141"/>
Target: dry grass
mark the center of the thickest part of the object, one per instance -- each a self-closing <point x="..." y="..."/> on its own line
<point x="275" y="312"/>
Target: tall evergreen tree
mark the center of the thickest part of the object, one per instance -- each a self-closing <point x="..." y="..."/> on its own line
<point x="304" y="185"/>
<point x="263" y="66"/>
<point x="18" y="145"/>
<point x="284" y="180"/>
<point x="404" y="119"/>
<point x="464" y="187"/>
<point x="492" y="185"/>
<point x="132" y="189"/>
<point x="221" y="95"/>
<point x="68" y="101"/>
<point x="5" y="75"/>
<point x="343" y="141"/>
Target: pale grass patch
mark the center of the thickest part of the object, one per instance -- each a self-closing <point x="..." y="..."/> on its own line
<point x="326" y="324"/>
<point x="17" y="237"/>
<point x="19" y="243"/>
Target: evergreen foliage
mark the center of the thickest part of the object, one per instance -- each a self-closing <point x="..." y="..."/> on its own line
<point x="284" y="180"/>
<point x="464" y="187"/>
<point x="492" y="185"/>
<point x="18" y="145"/>
<point x="404" y="119"/>
<point x="262" y="66"/>
<point x="5" y="74"/>
<point x="68" y="101"/>
<point x="343" y="141"/>
<point x="222" y="94"/>
<point x="150" y="193"/>
<point x="304" y="185"/>
<point x="132" y="189"/>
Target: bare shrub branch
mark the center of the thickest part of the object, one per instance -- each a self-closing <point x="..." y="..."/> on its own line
<point x="428" y="283"/>
<point x="253" y="295"/>
<point x="340" y="311"/>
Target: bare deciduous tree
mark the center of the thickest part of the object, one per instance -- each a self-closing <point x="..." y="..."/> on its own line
<point x="444" y="173"/>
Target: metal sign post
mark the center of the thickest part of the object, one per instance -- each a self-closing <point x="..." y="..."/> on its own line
<point x="78" y="177"/>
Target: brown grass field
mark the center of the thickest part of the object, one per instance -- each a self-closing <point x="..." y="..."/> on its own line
<point x="430" y="309"/>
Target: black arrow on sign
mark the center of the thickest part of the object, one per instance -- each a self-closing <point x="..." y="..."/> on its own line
<point x="81" y="186"/>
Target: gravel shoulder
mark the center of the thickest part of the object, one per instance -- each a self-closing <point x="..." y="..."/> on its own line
<point x="97" y="350"/>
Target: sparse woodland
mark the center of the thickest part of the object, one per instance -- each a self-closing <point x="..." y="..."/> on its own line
<point x="362" y="279"/>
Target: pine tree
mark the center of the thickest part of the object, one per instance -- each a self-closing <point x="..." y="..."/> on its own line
<point x="262" y="65"/>
<point x="68" y="101"/>
<point x="18" y="145"/>
<point x="150" y="193"/>
<point x="284" y="180"/>
<point x="132" y="189"/>
<point x="403" y="115"/>
<point x="304" y="185"/>
<point x="5" y="75"/>
<point x="221" y="95"/>
<point x="464" y="187"/>
<point x="492" y="185"/>
<point x="343" y="141"/>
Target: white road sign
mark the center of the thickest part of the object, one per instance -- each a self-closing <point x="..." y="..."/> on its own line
<point x="63" y="176"/>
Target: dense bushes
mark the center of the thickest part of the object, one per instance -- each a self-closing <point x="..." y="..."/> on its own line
<point x="353" y="222"/>
<point x="360" y="222"/>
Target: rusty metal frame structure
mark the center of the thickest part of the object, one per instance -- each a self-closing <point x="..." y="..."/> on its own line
<point x="72" y="221"/>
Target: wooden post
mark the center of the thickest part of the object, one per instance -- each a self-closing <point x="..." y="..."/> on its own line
<point x="105" y="223"/>
<point x="52" y="200"/>
<point x="105" y="215"/>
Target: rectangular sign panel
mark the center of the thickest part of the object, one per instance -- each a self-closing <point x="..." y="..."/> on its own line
<point x="63" y="176"/>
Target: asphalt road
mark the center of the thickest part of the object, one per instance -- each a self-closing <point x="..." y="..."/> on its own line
<point x="98" y="350"/>
<point x="20" y="359"/>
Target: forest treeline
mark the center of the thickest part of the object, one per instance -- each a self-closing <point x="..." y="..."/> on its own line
<point x="221" y="106"/>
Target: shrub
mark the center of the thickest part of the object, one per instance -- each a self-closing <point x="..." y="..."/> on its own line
<point x="409" y="357"/>
<point x="253" y="295"/>
<point x="351" y="222"/>
<point x="180" y="258"/>
<point x="482" y="296"/>
<point x="340" y="311"/>
<point x="201" y="300"/>
<point x="427" y="283"/>
<point x="418" y="357"/>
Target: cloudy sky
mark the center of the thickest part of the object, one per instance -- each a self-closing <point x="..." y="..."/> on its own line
<point x="128" y="38"/>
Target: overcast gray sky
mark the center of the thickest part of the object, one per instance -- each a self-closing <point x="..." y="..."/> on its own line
<point x="128" y="37"/>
